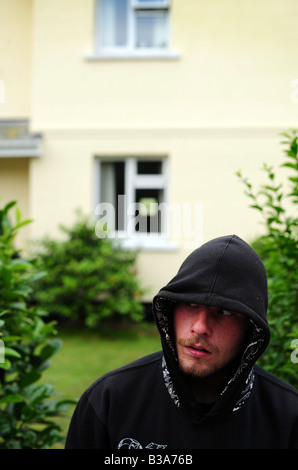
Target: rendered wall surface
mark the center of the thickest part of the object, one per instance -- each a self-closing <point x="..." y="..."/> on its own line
<point x="215" y="107"/>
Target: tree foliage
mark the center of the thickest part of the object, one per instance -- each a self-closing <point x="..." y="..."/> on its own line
<point x="278" y="248"/>
<point x="27" y="407"/>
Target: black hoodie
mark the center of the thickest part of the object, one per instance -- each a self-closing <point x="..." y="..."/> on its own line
<point x="149" y="403"/>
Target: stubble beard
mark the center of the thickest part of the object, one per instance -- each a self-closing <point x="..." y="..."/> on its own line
<point x="197" y="367"/>
<point x="203" y="375"/>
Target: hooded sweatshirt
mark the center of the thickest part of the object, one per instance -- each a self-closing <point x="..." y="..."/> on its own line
<point x="149" y="404"/>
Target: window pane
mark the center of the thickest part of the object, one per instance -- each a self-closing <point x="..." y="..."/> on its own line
<point x="112" y="186"/>
<point x="149" y="216"/>
<point x="114" y="22"/>
<point x="151" y="29"/>
<point x="149" y="167"/>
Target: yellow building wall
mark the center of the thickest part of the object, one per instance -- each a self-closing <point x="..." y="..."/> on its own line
<point x="15" y="57"/>
<point x="236" y="63"/>
<point x="14" y="187"/>
<point x="15" y="100"/>
<point x="216" y="108"/>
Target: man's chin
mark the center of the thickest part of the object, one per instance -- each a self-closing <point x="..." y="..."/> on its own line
<point x="204" y="369"/>
<point x="197" y="371"/>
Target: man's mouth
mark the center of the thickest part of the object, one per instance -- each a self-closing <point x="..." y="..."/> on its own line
<point x="197" y="351"/>
<point x="197" y="347"/>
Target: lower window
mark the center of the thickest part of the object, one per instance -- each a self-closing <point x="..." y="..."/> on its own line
<point x="132" y="196"/>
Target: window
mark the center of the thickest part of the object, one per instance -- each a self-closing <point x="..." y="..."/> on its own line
<point x="132" y="27"/>
<point x="130" y="194"/>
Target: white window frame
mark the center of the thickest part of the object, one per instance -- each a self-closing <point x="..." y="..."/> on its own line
<point x="133" y="181"/>
<point x="130" y="51"/>
<point x="150" y="4"/>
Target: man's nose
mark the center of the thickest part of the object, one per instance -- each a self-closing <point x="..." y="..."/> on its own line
<point x="202" y="322"/>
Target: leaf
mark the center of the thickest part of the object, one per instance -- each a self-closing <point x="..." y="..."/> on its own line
<point x="4" y="312"/>
<point x="271" y="188"/>
<point x="21" y="224"/>
<point x="30" y="378"/>
<point x="6" y="339"/>
<point x="19" y="264"/>
<point x="36" y="277"/>
<point x="9" y="206"/>
<point x="17" y="305"/>
<point x="13" y="398"/>
<point x="6" y="365"/>
<point x="11" y="352"/>
<point x="294" y="179"/>
<point x="51" y="348"/>
<point x="291" y="154"/>
<point x="18" y="214"/>
<point x="39" y="393"/>
<point x="287" y="135"/>
<point x="294" y="166"/>
<point x="256" y="206"/>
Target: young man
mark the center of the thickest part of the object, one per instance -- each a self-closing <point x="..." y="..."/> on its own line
<point x="203" y="390"/>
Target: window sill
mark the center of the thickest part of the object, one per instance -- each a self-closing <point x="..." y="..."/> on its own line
<point x="147" y="244"/>
<point x="133" y="55"/>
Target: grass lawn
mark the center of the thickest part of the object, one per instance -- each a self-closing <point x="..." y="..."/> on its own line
<point x="86" y="355"/>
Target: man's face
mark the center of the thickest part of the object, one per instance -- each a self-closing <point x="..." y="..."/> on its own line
<point x="207" y="338"/>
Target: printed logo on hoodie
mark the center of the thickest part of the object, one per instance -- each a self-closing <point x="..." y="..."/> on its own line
<point x="130" y="443"/>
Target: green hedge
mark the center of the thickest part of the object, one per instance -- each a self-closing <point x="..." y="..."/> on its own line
<point x="278" y="248"/>
<point x="27" y="407"/>
<point x="88" y="279"/>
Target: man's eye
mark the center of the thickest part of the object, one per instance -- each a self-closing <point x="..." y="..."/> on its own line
<point x="224" y="312"/>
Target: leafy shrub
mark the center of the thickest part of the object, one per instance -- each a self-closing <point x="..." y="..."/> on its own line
<point x="26" y="410"/>
<point x="279" y="250"/>
<point x="88" y="279"/>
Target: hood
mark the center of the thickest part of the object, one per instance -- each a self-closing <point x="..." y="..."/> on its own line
<point x="227" y="273"/>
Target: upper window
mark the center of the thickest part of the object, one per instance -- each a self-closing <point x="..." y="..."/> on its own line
<point x="127" y="26"/>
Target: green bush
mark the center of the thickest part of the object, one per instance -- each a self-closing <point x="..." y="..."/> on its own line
<point x="88" y="279"/>
<point x="26" y="407"/>
<point x="278" y="248"/>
